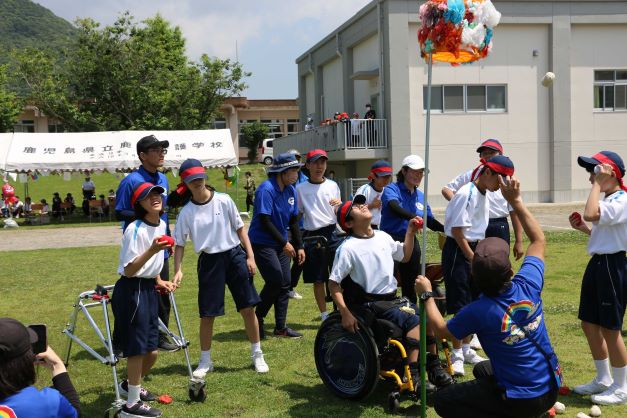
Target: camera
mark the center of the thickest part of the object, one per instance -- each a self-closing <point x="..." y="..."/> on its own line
<point x="42" y="338"/>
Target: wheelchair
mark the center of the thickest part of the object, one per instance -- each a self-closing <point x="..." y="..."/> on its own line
<point x="352" y="364"/>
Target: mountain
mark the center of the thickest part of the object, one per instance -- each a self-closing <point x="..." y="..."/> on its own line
<point x="25" y="24"/>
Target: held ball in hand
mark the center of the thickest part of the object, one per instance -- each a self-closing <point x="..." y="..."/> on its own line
<point x="168" y="239"/>
<point x="418" y="223"/>
<point x="576" y="217"/>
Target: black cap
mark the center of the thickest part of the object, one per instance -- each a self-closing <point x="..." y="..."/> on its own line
<point x="15" y="339"/>
<point x="149" y="142"/>
<point x="491" y="261"/>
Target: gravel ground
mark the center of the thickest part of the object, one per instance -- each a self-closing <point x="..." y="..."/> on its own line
<point x="552" y="217"/>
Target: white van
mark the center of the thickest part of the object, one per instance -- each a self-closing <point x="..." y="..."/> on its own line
<point x="266" y="151"/>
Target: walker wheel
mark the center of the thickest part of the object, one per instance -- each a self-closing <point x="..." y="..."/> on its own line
<point x="197" y="396"/>
<point x="394" y="402"/>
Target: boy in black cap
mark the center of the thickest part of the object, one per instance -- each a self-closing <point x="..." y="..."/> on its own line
<point x="367" y="256"/>
<point x="151" y="152"/>
<point x="604" y="286"/>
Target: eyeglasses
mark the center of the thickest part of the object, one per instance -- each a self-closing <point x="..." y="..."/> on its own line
<point x="163" y="151"/>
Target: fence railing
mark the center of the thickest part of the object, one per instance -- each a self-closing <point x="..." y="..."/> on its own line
<point x="353" y="134"/>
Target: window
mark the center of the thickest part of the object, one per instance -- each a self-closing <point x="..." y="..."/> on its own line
<point x="219" y="123"/>
<point x="55" y="128"/>
<point x="292" y="126"/>
<point x="610" y="90"/>
<point x="24" y="126"/>
<point x="466" y="98"/>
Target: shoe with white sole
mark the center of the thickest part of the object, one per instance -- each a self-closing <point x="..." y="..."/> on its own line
<point x="471" y="357"/>
<point x="293" y="294"/>
<point x="612" y="396"/>
<point x="591" y="388"/>
<point x="458" y="365"/>
<point x="260" y="363"/>
<point x="475" y="344"/>
<point x="202" y="370"/>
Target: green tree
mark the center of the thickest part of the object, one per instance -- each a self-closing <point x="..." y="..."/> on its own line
<point x="129" y="76"/>
<point x="253" y="135"/>
<point x="10" y="105"/>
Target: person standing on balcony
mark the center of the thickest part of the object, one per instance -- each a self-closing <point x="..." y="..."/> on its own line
<point x="371" y="135"/>
<point x="355" y="130"/>
<point x="309" y="125"/>
<point x="317" y="202"/>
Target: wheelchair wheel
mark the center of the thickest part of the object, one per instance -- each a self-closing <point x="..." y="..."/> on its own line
<point x="347" y="363"/>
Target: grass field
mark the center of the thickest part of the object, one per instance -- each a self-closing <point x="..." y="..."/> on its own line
<point x="45" y="186"/>
<point x="41" y="286"/>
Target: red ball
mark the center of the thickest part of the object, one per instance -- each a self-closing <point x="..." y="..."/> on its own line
<point x="552" y="412"/>
<point x="167" y="239"/>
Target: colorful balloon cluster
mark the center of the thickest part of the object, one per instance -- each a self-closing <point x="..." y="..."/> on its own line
<point x="457" y="31"/>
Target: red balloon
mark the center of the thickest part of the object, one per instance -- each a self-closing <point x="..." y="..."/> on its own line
<point x="8" y="191"/>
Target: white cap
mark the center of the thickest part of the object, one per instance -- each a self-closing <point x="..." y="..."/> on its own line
<point x="414" y="162"/>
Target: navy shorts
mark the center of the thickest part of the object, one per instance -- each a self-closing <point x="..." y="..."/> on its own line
<point x="457" y="279"/>
<point x="217" y="270"/>
<point x="498" y="227"/>
<point x="319" y="259"/>
<point x="404" y="320"/>
<point x="604" y="291"/>
<point x="135" y="306"/>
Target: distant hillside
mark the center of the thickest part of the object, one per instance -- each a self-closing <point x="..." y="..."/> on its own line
<point x="26" y="24"/>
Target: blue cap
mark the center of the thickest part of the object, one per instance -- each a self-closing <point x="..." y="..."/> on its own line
<point x="381" y="168"/>
<point x="284" y="162"/>
<point x="191" y="170"/>
<point x="590" y="162"/>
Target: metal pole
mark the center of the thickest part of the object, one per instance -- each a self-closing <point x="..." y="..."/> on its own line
<point x="423" y="255"/>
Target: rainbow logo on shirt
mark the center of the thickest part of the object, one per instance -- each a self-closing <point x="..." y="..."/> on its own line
<point x="6" y="412"/>
<point x="524" y="305"/>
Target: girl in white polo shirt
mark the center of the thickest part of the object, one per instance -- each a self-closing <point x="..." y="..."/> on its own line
<point x="213" y="224"/>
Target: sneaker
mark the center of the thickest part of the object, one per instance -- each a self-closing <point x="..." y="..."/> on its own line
<point x="591" y="388"/>
<point x="436" y="373"/>
<point x="458" y="365"/>
<point x="202" y="370"/>
<point x="287" y="332"/>
<point x="612" y="396"/>
<point x="293" y="294"/>
<point x="475" y="344"/>
<point x="144" y="394"/>
<point x="260" y="364"/>
<point x="142" y="409"/>
<point x="165" y="345"/>
<point x="471" y="357"/>
<point x="415" y="377"/>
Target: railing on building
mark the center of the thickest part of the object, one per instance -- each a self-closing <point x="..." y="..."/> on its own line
<point x="353" y="134"/>
<point x="349" y="186"/>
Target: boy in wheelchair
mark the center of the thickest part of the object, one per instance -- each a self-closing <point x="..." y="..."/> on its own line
<point x="368" y="256"/>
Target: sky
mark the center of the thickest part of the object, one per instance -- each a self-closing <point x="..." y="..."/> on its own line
<point x="270" y="34"/>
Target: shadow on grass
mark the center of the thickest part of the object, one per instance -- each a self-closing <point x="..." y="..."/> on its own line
<point x="310" y="400"/>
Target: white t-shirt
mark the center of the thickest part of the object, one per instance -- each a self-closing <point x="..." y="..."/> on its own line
<point x="369" y="262"/>
<point x="499" y="208"/>
<point x="313" y="203"/>
<point x="467" y="209"/>
<point x="88" y="185"/>
<point x="212" y="226"/>
<point x="609" y="233"/>
<point x="138" y="237"/>
<point x="371" y="194"/>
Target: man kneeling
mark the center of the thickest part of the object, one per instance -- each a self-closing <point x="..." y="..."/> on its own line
<point x="368" y="256"/>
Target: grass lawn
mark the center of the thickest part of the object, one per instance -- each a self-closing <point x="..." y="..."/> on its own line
<point x="41" y="286"/>
<point x="45" y="186"/>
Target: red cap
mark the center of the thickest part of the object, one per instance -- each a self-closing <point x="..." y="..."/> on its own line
<point x="316" y="154"/>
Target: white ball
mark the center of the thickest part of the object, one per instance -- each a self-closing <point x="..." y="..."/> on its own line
<point x="560" y="408"/>
<point x="595" y="411"/>
<point x="548" y="78"/>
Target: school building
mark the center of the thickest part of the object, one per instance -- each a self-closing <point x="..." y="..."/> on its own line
<point x="374" y="58"/>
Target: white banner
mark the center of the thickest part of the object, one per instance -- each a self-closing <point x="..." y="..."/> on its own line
<point x="110" y="150"/>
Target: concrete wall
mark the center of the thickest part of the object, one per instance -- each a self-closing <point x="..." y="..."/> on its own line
<point x="365" y="58"/>
<point x="332" y="88"/>
<point x="310" y="102"/>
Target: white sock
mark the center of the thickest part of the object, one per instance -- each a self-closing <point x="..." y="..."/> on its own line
<point x="205" y="357"/>
<point x="603" y="371"/>
<point x="323" y="315"/>
<point x="458" y="353"/>
<point x="620" y="377"/>
<point x="133" y="395"/>
<point x="466" y="349"/>
<point x="255" y="348"/>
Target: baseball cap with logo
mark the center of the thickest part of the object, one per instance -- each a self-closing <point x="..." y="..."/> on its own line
<point x="316" y="154"/>
<point x="142" y="190"/>
<point x="491" y="144"/>
<point x="150" y="141"/>
<point x="344" y="212"/>
<point x="15" y="339"/>
<point x="491" y="267"/>
<point x="192" y="169"/>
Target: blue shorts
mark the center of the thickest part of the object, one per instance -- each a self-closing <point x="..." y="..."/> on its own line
<point x="318" y="261"/>
<point x="457" y="279"/>
<point x="220" y="269"/>
<point x="406" y="321"/>
<point x="498" y="227"/>
<point x="604" y="291"/>
<point x="135" y="305"/>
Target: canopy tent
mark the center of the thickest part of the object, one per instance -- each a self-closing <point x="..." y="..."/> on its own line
<point x="111" y="151"/>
